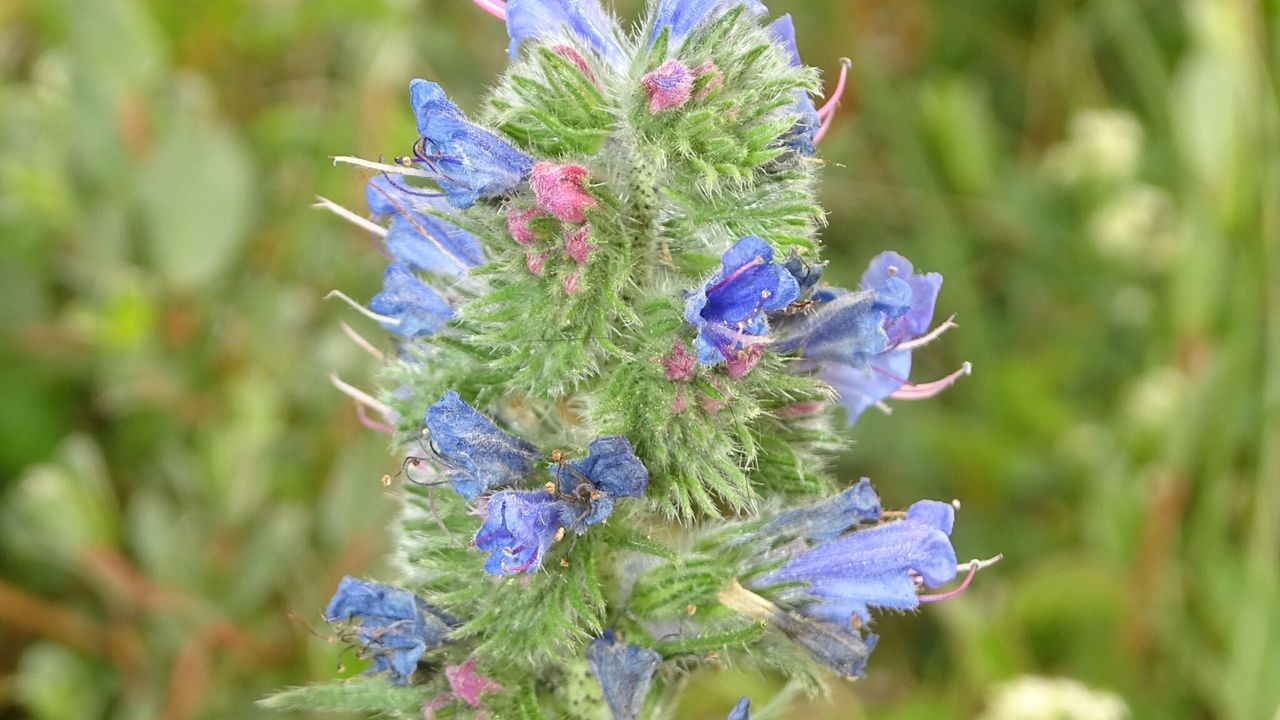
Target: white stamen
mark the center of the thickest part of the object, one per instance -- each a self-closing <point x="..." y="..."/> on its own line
<point x="361" y="397"/>
<point x="883" y="407"/>
<point x="358" y="339"/>
<point x="980" y="564"/>
<point x="929" y="337"/>
<point x="381" y="167"/>
<point x="361" y="308"/>
<point x="923" y="391"/>
<point x="361" y="222"/>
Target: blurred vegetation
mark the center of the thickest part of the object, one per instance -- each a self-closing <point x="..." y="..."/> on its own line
<point x="1099" y="181"/>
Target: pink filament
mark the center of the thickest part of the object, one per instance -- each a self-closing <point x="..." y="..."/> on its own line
<point x="827" y="112"/>
<point x="912" y="391"/>
<point x="973" y="570"/>
<point x="363" y="416"/>
<point x="496" y="8"/>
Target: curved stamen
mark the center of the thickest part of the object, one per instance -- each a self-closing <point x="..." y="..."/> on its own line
<point x="359" y="340"/>
<point x="755" y="262"/>
<point x="408" y="216"/>
<point x="912" y="391"/>
<point x="929" y="337"/>
<point x="496" y="8"/>
<point x="974" y="567"/>
<point x="827" y="113"/>
<point x="363" y="416"/>
<point x="385" y="319"/>
<point x="361" y="396"/>
<point x="361" y="222"/>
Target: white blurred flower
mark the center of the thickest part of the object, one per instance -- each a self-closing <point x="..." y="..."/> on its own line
<point x="1138" y="227"/>
<point x="1039" y="698"/>
<point x="1100" y="145"/>
<point x="1155" y="397"/>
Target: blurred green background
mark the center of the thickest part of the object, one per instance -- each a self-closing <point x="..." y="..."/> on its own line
<point x="1099" y="181"/>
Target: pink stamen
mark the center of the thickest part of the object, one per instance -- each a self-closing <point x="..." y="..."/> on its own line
<point x="974" y="567"/>
<point x="363" y="416"/>
<point x="496" y="8"/>
<point x="827" y="112"/>
<point x="757" y="260"/>
<point x="912" y="391"/>
<point x="929" y="337"/>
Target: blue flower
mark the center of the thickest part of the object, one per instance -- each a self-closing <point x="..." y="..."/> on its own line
<point x="741" y="711"/>
<point x="425" y="242"/>
<point x="413" y="309"/>
<point x="830" y="518"/>
<point x="395" y="626"/>
<point x="477" y="455"/>
<point x="860" y="343"/>
<point x="624" y="671"/>
<point x="845" y="577"/>
<point x="467" y="161"/>
<point x="519" y="528"/>
<point x="802" y="136"/>
<point x="807" y="274"/>
<point x="681" y="17"/>
<point x="592" y="484"/>
<point x="533" y="20"/>
<point x="732" y="307"/>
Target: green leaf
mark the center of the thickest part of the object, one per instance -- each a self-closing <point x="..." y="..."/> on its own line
<point x="363" y="694"/>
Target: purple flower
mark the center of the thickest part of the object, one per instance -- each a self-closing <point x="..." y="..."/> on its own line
<point x="860" y="343"/>
<point x="591" y="485"/>
<point x="411" y="307"/>
<point x="467" y="161"/>
<point x="877" y="567"/>
<point x="681" y="17"/>
<point x="425" y="242"/>
<point x="829" y="518"/>
<point x="731" y="309"/>
<point x="669" y="86"/>
<point x="802" y="136"/>
<point x="519" y="528"/>
<point x="477" y="455"/>
<point x="624" y="671"/>
<point x="741" y="711"/>
<point x="395" y="626"/>
<point x="536" y="20"/>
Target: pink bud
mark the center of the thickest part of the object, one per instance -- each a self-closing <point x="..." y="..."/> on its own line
<point x="743" y="361"/>
<point x="559" y="190"/>
<point x="576" y="245"/>
<point x="717" y="78"/>
<point x="576" y="58"/>
<point x="536" y="262"/>
<point x="518" y="225"/>
<point x="669" y="86"/>
<point x="680" y="364"/>
<point x="571" y="282"/>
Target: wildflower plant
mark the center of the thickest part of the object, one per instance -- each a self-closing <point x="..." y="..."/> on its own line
<point x="617" y="377"/>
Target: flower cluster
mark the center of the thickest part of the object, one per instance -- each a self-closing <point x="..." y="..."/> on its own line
<point x="616" y="255"/>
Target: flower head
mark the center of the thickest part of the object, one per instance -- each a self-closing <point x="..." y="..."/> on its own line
<point x="877" y="567"/>
<point x="519" y="528"/>
<point x="411" y="307"/>
<point x="861" y="342"/>
<point x="802" y="136"/>
<point x="624" y="671"/>
<point x="830" y="518"/>
<point x="669" y="86"/>
<point x="584" y="20"/>
<point x="395" y="626"/>
<point x="681" y="17"/>
<point x="732" y="307"/>
<point x="467" y="161"/>
<point x="424" y="242"/>
<point x="560" y="190"/>
<point x="477" y="455"/>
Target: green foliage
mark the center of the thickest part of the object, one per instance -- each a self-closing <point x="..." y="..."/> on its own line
<point x="364" y="695"/>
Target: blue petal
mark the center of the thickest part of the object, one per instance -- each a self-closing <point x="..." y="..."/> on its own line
<point x="860" y="387"/>
<point x="467" y="161"/>
<point x="478" y="455"/>
<point x="735" y="301"/>
<point x="425" y="242"/>
<point x="624" y="672"/>
<point x="518" y="530"/>
<point x="612" y="466"/>
<point x="534" y="20"/>
<point x="830" y="518"/>
<point x="741" y="710"/>
<point x="924" y="292"/>
<point x="807" y="274"/>
<point x="404" y="297"/>
<point x="800" y="137"/>
<point x="395" y="625"/>
<point x="850" y="328"/>
<point x="683" y="16"/>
